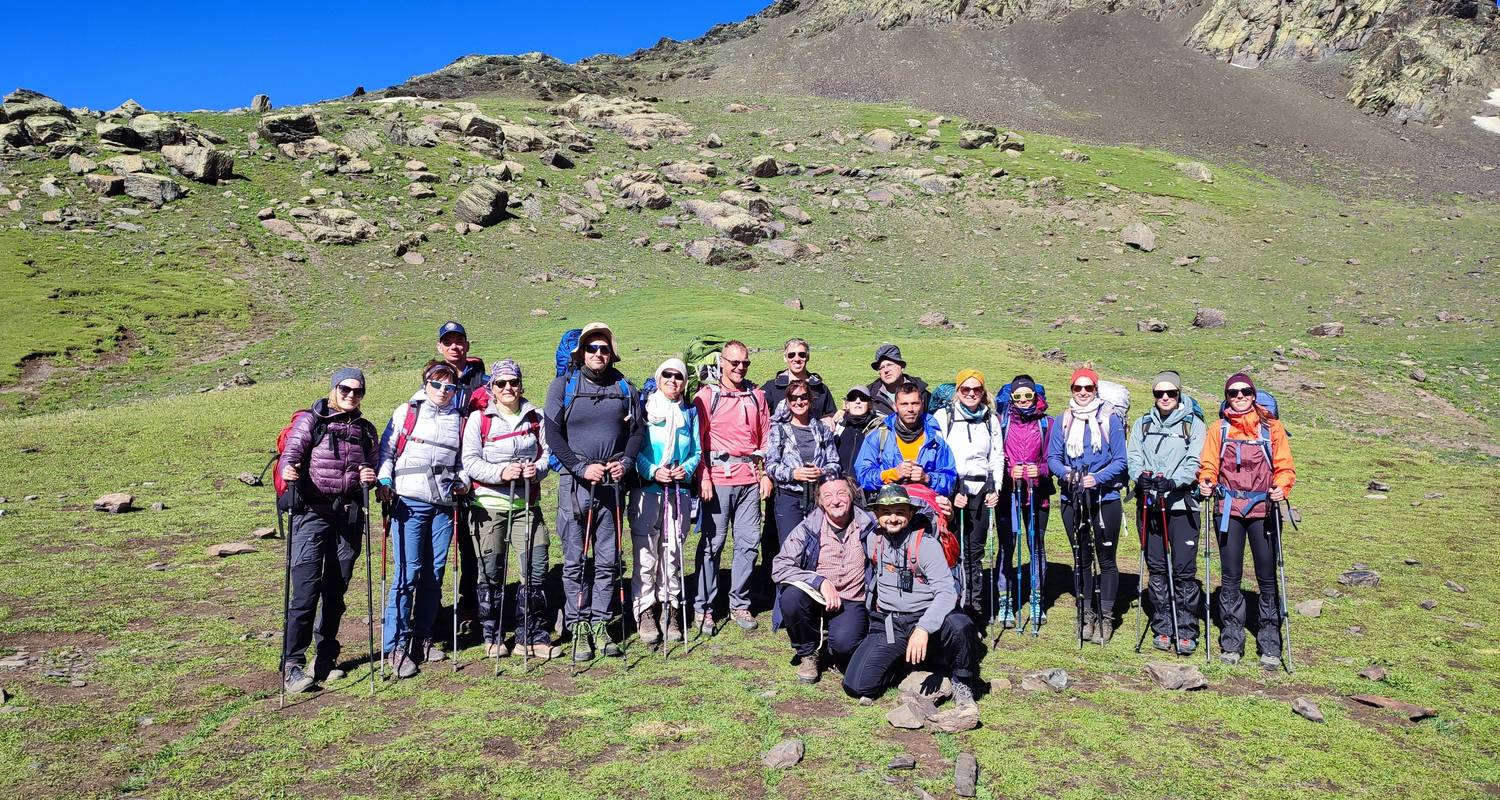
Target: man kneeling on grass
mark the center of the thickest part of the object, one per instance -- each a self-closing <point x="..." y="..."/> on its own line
<point x="822" y="572"/>
<point x="912" y="599"/>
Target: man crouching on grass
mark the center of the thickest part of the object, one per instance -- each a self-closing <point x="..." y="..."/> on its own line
<point x="912" y="601"/>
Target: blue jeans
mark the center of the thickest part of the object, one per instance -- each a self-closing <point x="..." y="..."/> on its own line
<point x="420" y="536"/>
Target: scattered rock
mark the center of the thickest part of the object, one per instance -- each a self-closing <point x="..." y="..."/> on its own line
<point x="1307" y="709"/>
<point x="483" y="203"/>
<point x="1360" y="577"/>
<point x="1209" y="318"/>
<point x="736" y="108"/>
<point x="1073" y="156"/>
<point x="1310" y="608"/>
<point x="124" y="165"/>
<point x="1178" y="677"/>
<point x="230" y="549"/>
<point x="158" y="506"/>
<point x="1415" y="713"/>
<point x="1048" y="680"/>
<point x="202" y="164"/>
<point x="1456" y="587"/>
<point x="1372" y="673"/>
<point x="556" y="160"/>
<point x="1378" y="486"/>
<point x="260" y="104"/>
<point x="900" y="761"/>
<point x="78" y="165"/>
<point x="264" y="533"/>
<point x="934" y="319"/>
<point x="796" y="214"/>
<point x="288" y="127"/>
<point x="1196" y="170"/>
<point x="955" y="720"/>
<point x="1418" y="374"/>
<point x="1152" y="325"/>
<point x="911" y="714"/>
<point x="716" y="251"/>
<point x="114" y="503"/>
<point x="1055" y="355"/>
<point x="966" y="775"/>
<point x="1327" y="329"/>
<point x="793" y="303"/>
<point x="785" y="755"/>
<point x="882" y="139"/>
<point x="105" y="185"/>
<point x="1139" y="236"/>
<point x="158" y="190"/>
<point x="763" y="167"/>
<point x="975" y="139"/>
<point x="1427" y="605"/>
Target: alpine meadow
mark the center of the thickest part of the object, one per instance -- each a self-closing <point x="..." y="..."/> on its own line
<point x="1302" y="198"/>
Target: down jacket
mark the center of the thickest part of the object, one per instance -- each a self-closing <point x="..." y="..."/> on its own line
<point x="328" y="469"/>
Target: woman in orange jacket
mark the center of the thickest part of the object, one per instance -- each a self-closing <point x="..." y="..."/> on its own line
<point x="1247" y="462"/>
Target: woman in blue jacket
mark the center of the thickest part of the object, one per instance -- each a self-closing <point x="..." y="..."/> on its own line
<point x="1087" y="454"/>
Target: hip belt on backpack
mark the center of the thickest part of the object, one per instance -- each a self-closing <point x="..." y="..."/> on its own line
<point x="431" y="471"/>
<point x="1255" y="498"/>
<point x="726" y="458"/>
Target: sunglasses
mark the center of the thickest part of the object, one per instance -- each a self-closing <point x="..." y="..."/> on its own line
<point x="1083" y="387"/>
<point x="357" y="391"/>
<point x="672" y="376"/>
<point x="801" y="354"/>
<point x="598" y="347"/>
<point x="798" y="398"/>
<point x="443" y="387"/>
<point x="1160" y="393"/>
<point x="1233" y="393"/>
<point x="737" y="362"/>
<point x="504" y="383"/>
<point x="1022" y="396"/>
<point x="971" y="390"/>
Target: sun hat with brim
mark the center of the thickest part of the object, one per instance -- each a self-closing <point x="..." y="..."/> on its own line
<point x="892" y="494"/>
<point x="590" y="330"/>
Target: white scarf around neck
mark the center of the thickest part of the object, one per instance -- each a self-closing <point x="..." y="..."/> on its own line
<point x="1084" y="417"/>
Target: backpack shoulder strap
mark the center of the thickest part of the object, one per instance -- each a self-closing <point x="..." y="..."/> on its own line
<point x="408" y="424"/>
<point x="1223" y="439"/>
<point x="1265" y="442"/>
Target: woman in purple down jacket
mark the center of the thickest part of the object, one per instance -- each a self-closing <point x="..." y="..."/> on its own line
<point x="329" y="458"/>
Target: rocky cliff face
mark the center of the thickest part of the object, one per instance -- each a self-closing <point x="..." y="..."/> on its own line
<point x="824" y="15"/>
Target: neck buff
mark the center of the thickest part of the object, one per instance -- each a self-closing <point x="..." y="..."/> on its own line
<point x="911" y="434"/>
<point x="1084" y="417"/>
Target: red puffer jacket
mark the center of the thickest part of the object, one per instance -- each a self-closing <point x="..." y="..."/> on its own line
<point x="328" y="468"/>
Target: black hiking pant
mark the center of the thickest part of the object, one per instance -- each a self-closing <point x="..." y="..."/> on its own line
<point x="975" y="519"/>
<point x="877" y="664"/>
<point x="1102" y="534"/>
<point x="846" y="627"/>
<point x="1183" y="527"/>
<point x="325" y="543"/>
<point x="1255" y="533"/>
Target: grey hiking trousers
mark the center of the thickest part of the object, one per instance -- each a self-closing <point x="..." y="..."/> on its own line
<point x="734" y="508"/>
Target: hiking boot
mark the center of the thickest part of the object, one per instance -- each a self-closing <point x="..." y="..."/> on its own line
<point x="1104" y="631"/>
<point x="432" y="653"/>
<point x="613" y="650"/>
<point x="1007" y="618"/>
<point x="807" y="669"/>
<point x="328" y="672"/>
<point x="496" y="650"/>
<point x="1090" y="628"/>
<point x="645" y="625"/>
<point x="297" y="680"/>
<point x="963" y="695"/>
<point x="1185" y="647"/>
<point x="542" y="650"/>
<point x="743" y="618"/>
<point x="403" y="665"/>
<point x="1270" y="663"/>
<point x="1162" y="642"/>
<point x="1230" y="658"/>
<point x="674" y="625"/>
<point x="583" y="650"/>
<point x="706" y="623"/>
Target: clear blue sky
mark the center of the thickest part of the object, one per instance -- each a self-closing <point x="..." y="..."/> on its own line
<point x="185" y="55"/>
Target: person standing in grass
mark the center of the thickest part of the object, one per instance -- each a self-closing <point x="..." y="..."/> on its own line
<point x="1024" y="496"/>
<point x="421" y="476"/>
<point x="328" y="459"/>
<point x="972" y="432"/>
<point x="1163" y="451"/>
<point x="822" y="574"/>
<point x="912" y="602"/>
<point x="505" y="457"/>
<point x="801" y="453"/>
<point x="798" y="357"/>
<point x="1087" y="453"/>
<point x="890" y="375"/>
<point x="660" y="506"/>
<point x="1247" y="461"/>
<point x="468" y="370"/>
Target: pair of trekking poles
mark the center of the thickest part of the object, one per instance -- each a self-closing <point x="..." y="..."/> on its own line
<point x="1086" y="517"/>
<point x="582" y="627"/>
<point x="1146" y="501"/>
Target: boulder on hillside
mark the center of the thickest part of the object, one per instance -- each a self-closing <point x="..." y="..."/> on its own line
<point x="202" y="164"/>
<point x="119" y="136"/>
<point x="80" y="165"/>
<point x="337" y="226"/>
<point x="157" y="131"/>
<point x="1197" y="170"/>
<point x="114" y="502"/>
<point x="483" y="203"/>
<point x="755" y="204"/>
<point x="688" y="172"/>
<point x="639" y="194"/>
<point x="1209" y="318"/>
<point x="105" y="185"/>
<point x="124" y="165"/>
<point x="763" y="167"/>
<point x="715" y="252"/>
<point x="127" y="111"/>
<point x="1139" y="236"/>
<point x="288" y="127"/>
<point x="525" y="138"/>
<point x="975" y="139"/>
<point x="23" y="103"/>
<point x="481" y="126"/>
<point x="13" y="134"/>
<point x="158" y="190"/>
<point x="882" y="139"/>
<point x="48" y="128"/>
<point x="632" y="119"/>
<point x="1327" y="329"/>
<point x="260" y="104"/>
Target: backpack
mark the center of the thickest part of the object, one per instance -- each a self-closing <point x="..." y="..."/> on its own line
<point x="1115" y="400"/>
<point x="941" y="396"/>
<point x="534" y="427"/>
<point x="1002" y="410"/>
<point x="1266" y="403"/>
<point x="1194" y="410"/>
<point x="319" y="430"/>
<point x="702" y="361"/>
<point x="924" y="494"/>
<point x="565" y="347"/>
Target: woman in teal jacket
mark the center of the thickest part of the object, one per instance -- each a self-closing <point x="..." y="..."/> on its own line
<point x="1163" y="454"/>
<point x="659" y="508"/>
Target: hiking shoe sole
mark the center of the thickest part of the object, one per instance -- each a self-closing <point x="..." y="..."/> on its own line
<point x="299" y="685"/>
<point x="745" y="621"/>
<point x="1230" y="658"/>
<point x="1270" y="663"/>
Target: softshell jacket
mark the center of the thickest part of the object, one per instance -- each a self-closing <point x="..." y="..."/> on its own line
<point x="601" y="425"/>
<point x="934" y="590"/>
<point x="849" y="438"/>
<point x="431" y="463"/>
<point x="1107" y="464"/>
<point x="683" y="450"/>
<point x="781" y="450"/>
<point x="1169" y="447"/>
<point x="517" y="440"/>
<point x="1017" y="453"/>
<point x="734" y="431"/>
<point x="798" y="560"/>
<point x="879" y="453"/>
<point x="881" y="406"/>
<point x="1239" y="466"/>
<point x="822" y="398"/>
<point x="328" y="469"/>
<point x="978" y="452"/>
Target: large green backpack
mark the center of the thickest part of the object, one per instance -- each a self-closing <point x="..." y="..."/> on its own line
<point x="702" y="361"/>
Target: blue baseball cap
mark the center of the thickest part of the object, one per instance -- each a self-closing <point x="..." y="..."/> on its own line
<point x="451" y="327"/>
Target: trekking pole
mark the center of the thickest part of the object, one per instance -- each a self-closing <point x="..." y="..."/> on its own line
<point x="1143" y="580"/>
<point x="523" y="591"/>
<point x="1096" y="571"/>
<point x="385" y="538"/>
<point x="681" y="542"/>
<point x="1073" y="540"/>
<point x="453" y="545"/>
<point x="369" y="591"/>
<point x="622" y="585"/>
<point x="286" y="602"/>
<point x="579" y="625"/>
<point x="1286" y="622"/>
<point x="663" y="572"/>
<point x="1012" y="598"/>
<point x="1166" y="538"/>
<point x="1037" y="554"/>
<point x="1206" y="537"/>
<point x="963" y="554"/>
<point x="510" y="528"/>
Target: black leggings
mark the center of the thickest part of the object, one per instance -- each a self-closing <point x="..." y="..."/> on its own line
<point x="1109" y="573"/>
<point x="1183" y="526"/>
<point x="1252" y="531"/>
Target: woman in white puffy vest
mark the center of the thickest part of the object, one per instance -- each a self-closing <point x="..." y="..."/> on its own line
<point x="420" y="473"/>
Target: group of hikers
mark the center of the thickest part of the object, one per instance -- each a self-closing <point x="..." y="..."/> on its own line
<point x="876" y="516"/>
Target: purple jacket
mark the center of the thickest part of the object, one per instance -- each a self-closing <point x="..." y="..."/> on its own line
<point x="328" y="469"/>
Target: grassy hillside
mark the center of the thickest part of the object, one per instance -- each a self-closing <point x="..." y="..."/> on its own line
<point x="179" y="694"/>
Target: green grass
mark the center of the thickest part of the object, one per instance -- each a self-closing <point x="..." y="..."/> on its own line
<point x="180" y="699"/>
